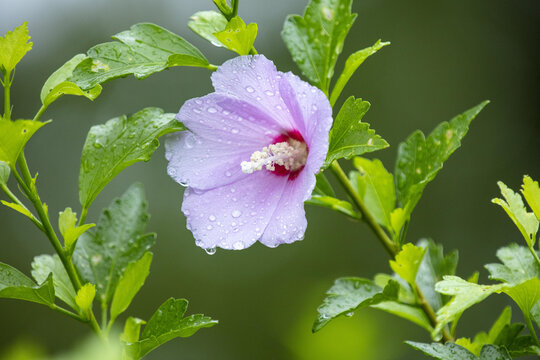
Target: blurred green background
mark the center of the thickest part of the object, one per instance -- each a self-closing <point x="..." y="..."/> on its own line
<point x="445" y="57"/>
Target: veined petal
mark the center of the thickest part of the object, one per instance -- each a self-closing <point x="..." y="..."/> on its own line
<point x="254" y="79"/>
<point x="288" y="222"/>
<point x="311" y="113"/>
<point x="233" y="216"/>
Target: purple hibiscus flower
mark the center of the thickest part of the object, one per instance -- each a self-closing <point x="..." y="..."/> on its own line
<point x="250" y="156"/>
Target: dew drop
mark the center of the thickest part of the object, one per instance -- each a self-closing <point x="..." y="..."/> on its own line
<point x="210" y="251"/>
<point x="236" y="213"/>
<point x="349" y="314"/>
<point x="235" y="131"/>
<point x="209" y="227"/>
<point x="238" y="245"/>
<point x="269" y="93"/>
<point x="228" y="173"/>
<point x="212" y="110"/>
<point x="212" y="218"/>
<point x="249" y="89"/>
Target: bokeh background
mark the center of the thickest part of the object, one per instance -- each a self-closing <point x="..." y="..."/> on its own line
<point x="445" y="57"/>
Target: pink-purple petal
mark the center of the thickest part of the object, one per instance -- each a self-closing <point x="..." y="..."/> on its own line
<point x="233" y="216"/>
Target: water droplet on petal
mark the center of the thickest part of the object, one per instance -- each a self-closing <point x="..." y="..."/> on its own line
<point x="212" y="110"/>
<point x="209" y="227"/>
<point x="228" y="173"/>
<point x="235" y="131"/>
<point x="210" y="251"/>
<point x="212" y="218"/>
<point x="269" y="93"/>
<point x="238" y="245"/>
<point x="249" y="89"/>
<point x="236" y="213"/>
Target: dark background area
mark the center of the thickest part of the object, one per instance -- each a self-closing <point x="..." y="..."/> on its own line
<point x="445" y="57"/>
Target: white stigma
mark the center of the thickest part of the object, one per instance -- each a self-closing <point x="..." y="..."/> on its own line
<point x="292" y="155"/>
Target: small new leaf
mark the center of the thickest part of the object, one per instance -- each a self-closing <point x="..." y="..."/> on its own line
<point x="408" y="262"/>
<point x="129" y="284"/>
<point x="117" y="144"/>
<point x="13" y="136"/>
<point x="85" y="297"/>
<point x="237" y="36"/>
<point x="338" y="205"/>
<point x="5" y="171"/>
<point x="531" y="193"/>
<point x="206" y="23"/>
<point x="132" y="329"/>
<point x="18" y="208"/>
<point x="375" y="186"/>
<point x="45" y="266"/>
<point x="420" y="159"/>
<point x="526" y="222"/>
<point x="350" y="294"/>
<point x="142" y="50"/>
<point x="13" y="46"/>
<point x="16" y="285"/>
<point x="349" y="135"/>
<point x="67" y="224"/>
<point x="316" y="39"/>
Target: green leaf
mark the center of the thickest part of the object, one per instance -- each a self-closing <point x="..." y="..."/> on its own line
<point x="69" y="88"/>
<point x="142" y="50"/>
<point x="409" y="312"/>
<point x="526" y="222"/>
<point x="4" y="173"/>
<point x="338" y="205"/>
<point x="132" y="329"/>
<point x="45" y="265"/>
<point x="350" y="294"/>
<point x="323" y="187"/>
<point x="526" y="294"/>
<point x="168" y="323"/>
<point x="349" y="135"/>
<point x="13" y="136"/>
<point x="448" y="351"/>
<point x="206" y="23"/>
<point x="434" y="266"/>
<point x="117" y="144"/>
<point x="85" y="297"/>
<point x="397" y="220"/>
<point x="518" y="265"/>
<point x="491" y="352"/>
<point x="13" y="46"/>
<point x="535" y="313"/>
<point x="237" y="36"/>
<point x="352" y="63"/>
<point x="102" y="255"/>
<point x="465" y="293"/>
<point x="67" y="224"/>
<point x="129" y="284"/>
<point x="375" y="186"/>
<point x="419" y="159"/>
<point x="18" y="208"/>
<point x="316" y="39"/>
<point x="531" y="193"/>
<point x="408" y="262"/>
<point x="16" y="285"/>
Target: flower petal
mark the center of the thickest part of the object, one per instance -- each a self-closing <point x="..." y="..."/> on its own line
<point x="288" y="222"/>
<point x="254" y="79"/>
<point x="223" y="133"/>
<point x="312" y="116"/>
<point x="233" y="216"/>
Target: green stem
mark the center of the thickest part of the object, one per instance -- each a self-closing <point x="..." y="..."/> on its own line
<point x="7" y="103"/>
<point x="84" y="213"/>
<point x="103" y="315"/>
<point x="253" y="51"/>
<point x="531" y="329"/>
<point x="383" y="238"/>
<point x="18" y="202"/>
<point x="67" y="312"/>
<point x="534" y="253"/>
<point x="234" y="8"/>
<point x="40" y="112"/>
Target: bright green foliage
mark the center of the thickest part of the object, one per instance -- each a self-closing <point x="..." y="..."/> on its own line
<point x="518" y="265"/>
<point x="465" y="293"/>
<point x="352" y="63"/>
<point x="316" y="39"/>
<point x="526" y="294"/>
<point x="452" y="351"/>
<point x="419" y="159"/>
<point x="18" y="208"/>
<point x="85" y="297"/>
<point x="531" y="193"/>
<point x="483" y="338"/>
<point x="434" y="266"/>
<point x="13" y="46"/>
<point x="13" y="136"/>
<point x="56" y="85"/>
<point x="45" y="265"/>
<point x="132" y="329"/>
<point x="398" y="217"/>
<point x="535" y="313"/>
<point x="15" y="285"/>
<point x="375" y="186"/>
<point x="167" y="323"/>
<point x="323" y="187"/>
<point x="338" y="205"/>
<point x="4" y="173"/>
<point x="408" y="262"/>
<point x="349" y="135"/>
<point x="101" y="256"/>
<point x="142" y="50"/>
<point x="67" y="222"/>
<point x="117" y="144"/>
<point x="237" y="36"/>
<point x="409" y="312"/>
<point x="526" y="222"/>
<point x="206" y="23"/>
<point x="129" y="284"/>
<point x="350" y="294"/>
